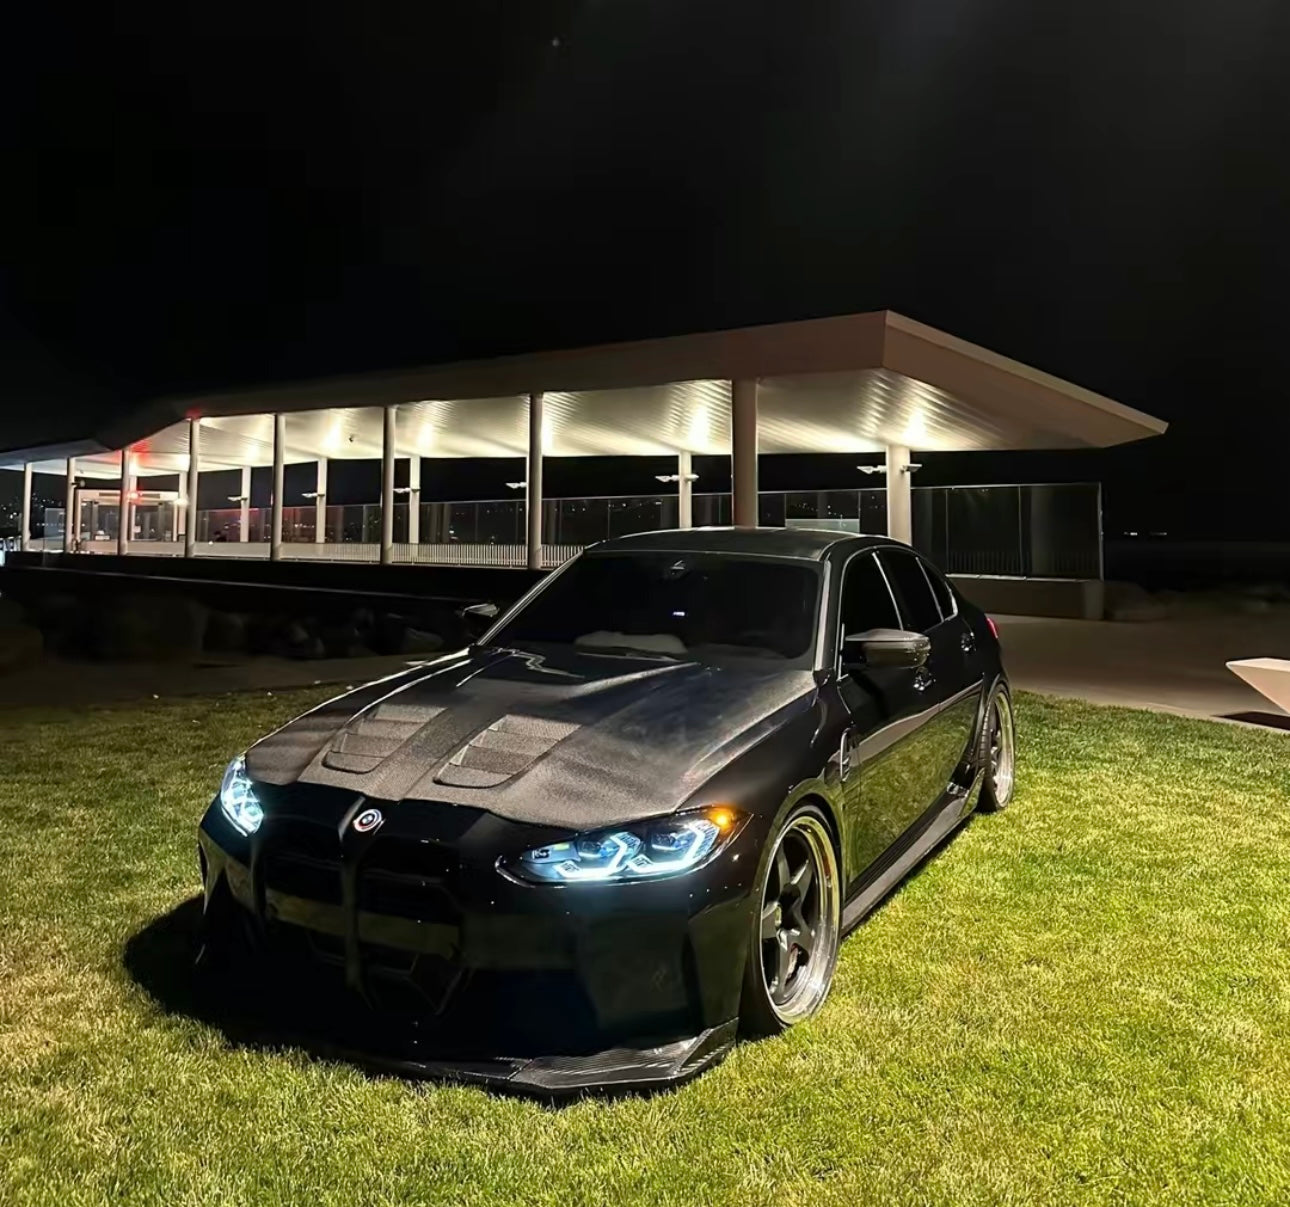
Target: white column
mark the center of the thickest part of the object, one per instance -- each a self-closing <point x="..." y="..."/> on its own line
<point x="194" y="472"/>
<point x="389" y="436"/>
<point x="900" y="500"/>
<point x="684" y="490"/>
<point x="320" y="502"/>
<point x="125" y="508"/>
<point x="69" y="506"/>
<point x="414" y="503"/>
<point x="275" y="503"/>
<point x="743" y="453"/>
<point x="26" y="508"/>
<point x="533" y="489"/>
<point x="244" y="523"/>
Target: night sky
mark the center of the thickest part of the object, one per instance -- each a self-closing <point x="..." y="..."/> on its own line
<point x="205" y="195"/>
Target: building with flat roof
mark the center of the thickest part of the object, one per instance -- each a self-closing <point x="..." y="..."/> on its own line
<point x="865" y="383"/>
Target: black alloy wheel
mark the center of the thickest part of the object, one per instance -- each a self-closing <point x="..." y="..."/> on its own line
<point x="998" y="752"/>
<point x="794" y="945"/>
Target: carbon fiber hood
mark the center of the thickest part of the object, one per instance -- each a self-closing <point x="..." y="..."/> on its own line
<point x="569" y="740"/>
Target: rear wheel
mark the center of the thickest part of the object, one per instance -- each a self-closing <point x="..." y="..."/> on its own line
<point x="793" y="947"/>
<point x="998" y="752"/>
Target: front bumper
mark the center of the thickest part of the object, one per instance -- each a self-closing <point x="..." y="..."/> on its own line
<point x="409" y="950"/>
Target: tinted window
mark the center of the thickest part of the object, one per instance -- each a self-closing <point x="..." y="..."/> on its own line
<point x="917" y="603"/>
<point x="702" y="606"/>
<point x="866" y="601"/>
<point x="941" y="589"/>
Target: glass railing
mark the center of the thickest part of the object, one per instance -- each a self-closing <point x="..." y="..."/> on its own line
<point x="1028" y="530"/>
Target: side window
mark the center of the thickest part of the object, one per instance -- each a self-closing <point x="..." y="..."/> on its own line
<point x="941" y="589"/>
<point x="917" y="603"/>
<point x="866" y="601"/>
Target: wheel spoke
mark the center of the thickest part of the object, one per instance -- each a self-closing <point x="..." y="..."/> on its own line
<point x="803" y="878"/>
<point x="781" y="869"/>
<point x="770" y="915"/>
<point x="783" y="965"/>
<point x="805" y="940"/>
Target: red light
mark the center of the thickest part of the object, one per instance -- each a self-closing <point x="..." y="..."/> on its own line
<point x="994" y="628"/>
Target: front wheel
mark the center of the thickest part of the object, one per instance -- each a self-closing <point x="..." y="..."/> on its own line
<point x="998" y="752"/>
<point x="793" y="947"/>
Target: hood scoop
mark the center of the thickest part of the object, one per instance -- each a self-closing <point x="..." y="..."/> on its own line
<point x="374" y="735"/>
<point x="503" y="750"/>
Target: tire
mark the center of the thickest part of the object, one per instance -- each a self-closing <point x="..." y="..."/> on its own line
<point x="998" y="753"/>
<point x="786" y="979"/>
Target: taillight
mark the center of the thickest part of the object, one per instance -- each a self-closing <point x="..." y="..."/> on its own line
<point x="994" y="628"/>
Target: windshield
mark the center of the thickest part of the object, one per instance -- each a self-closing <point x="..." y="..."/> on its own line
<point x="704" y="607"/>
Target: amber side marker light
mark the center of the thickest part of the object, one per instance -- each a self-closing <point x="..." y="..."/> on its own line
<point x="722" y="818"/>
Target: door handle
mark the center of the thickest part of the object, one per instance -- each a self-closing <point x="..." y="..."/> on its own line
<point x="922" y="679"/>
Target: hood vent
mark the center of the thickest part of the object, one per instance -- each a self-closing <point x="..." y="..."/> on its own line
<point x="375" y="735"/>
<point x="507" y="747"/>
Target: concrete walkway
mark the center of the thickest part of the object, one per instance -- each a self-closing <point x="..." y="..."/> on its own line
<point x="1169" y="665"/>
<point x="1176" y="665"/>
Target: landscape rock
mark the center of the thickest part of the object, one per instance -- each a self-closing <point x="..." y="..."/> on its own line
<point x="20" y="645"/>
<point x="418" y="641"/>
<point x="226" y="632"/>
<point x="148" y="628"/>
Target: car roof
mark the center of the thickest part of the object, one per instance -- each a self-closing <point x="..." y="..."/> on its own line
<point x="810" y="544"/>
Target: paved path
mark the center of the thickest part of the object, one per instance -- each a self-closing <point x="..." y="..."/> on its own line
<point x="1170" y="665"/>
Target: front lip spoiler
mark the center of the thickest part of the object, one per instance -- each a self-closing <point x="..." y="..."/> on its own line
<point x="624" y="1069"/>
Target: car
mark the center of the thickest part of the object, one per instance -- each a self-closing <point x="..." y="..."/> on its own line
<point x="629" y="822"/>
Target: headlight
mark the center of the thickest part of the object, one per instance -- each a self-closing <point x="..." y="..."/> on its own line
<point x="238" y="800"/>
<point x="647" y="851"/>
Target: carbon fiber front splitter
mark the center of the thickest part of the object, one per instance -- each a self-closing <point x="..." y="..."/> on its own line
<point x="624" y="1069"/>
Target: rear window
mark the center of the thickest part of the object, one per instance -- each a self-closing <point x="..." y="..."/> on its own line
<point x="941" y="589"/>
<point x="918" y="606"/>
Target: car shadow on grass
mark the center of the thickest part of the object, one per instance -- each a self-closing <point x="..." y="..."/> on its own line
<point x="272" y="1007"/>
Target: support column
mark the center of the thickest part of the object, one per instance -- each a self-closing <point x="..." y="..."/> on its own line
<point x="533" y="487"/>
<point x="743" y="453"/>
<point x="684" y="490"/>
<point x="69" y="505"/>
<point x="320" y="502"/>
<point x="275" y="502"/>
<point x="414" y="503"/>
<point x="25" y="540"/>
<point x="900" y="499"/>
<point x="194" y="471"/>
<point x="388" y="437"/>
<point x="125" y="506"/>
<point x="244" y="521"/>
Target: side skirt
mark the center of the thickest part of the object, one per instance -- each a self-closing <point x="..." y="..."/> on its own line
<point x="917" y="843"/>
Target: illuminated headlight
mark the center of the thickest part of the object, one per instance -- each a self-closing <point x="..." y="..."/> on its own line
<point x="238" y="800"/>
<point x="666" y="847"/>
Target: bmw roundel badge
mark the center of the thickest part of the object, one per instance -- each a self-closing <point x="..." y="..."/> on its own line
<point x="368" y="820"/>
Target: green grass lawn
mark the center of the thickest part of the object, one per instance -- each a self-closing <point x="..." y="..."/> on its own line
<point x="1085" y="999"/>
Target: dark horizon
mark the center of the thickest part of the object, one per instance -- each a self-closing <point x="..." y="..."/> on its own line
<point x="1097" y="193"/>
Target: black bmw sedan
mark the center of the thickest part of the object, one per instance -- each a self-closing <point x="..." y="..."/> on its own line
<point x="633" y="820"/>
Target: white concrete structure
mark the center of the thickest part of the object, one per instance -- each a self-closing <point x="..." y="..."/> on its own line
<point x="1270" y="677"/>
<point x="874" y="383"/>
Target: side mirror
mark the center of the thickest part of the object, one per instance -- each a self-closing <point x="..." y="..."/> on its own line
<point x="478" y="618"/>
<point x="885" y="647"/>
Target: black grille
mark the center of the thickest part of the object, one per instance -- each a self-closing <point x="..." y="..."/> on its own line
<point x="303" y="876"/>
<point x="409" y="880"/>
<point x="304" y="861"/>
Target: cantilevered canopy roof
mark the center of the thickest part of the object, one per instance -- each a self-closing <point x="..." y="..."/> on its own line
<point x="839" y="385"/>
